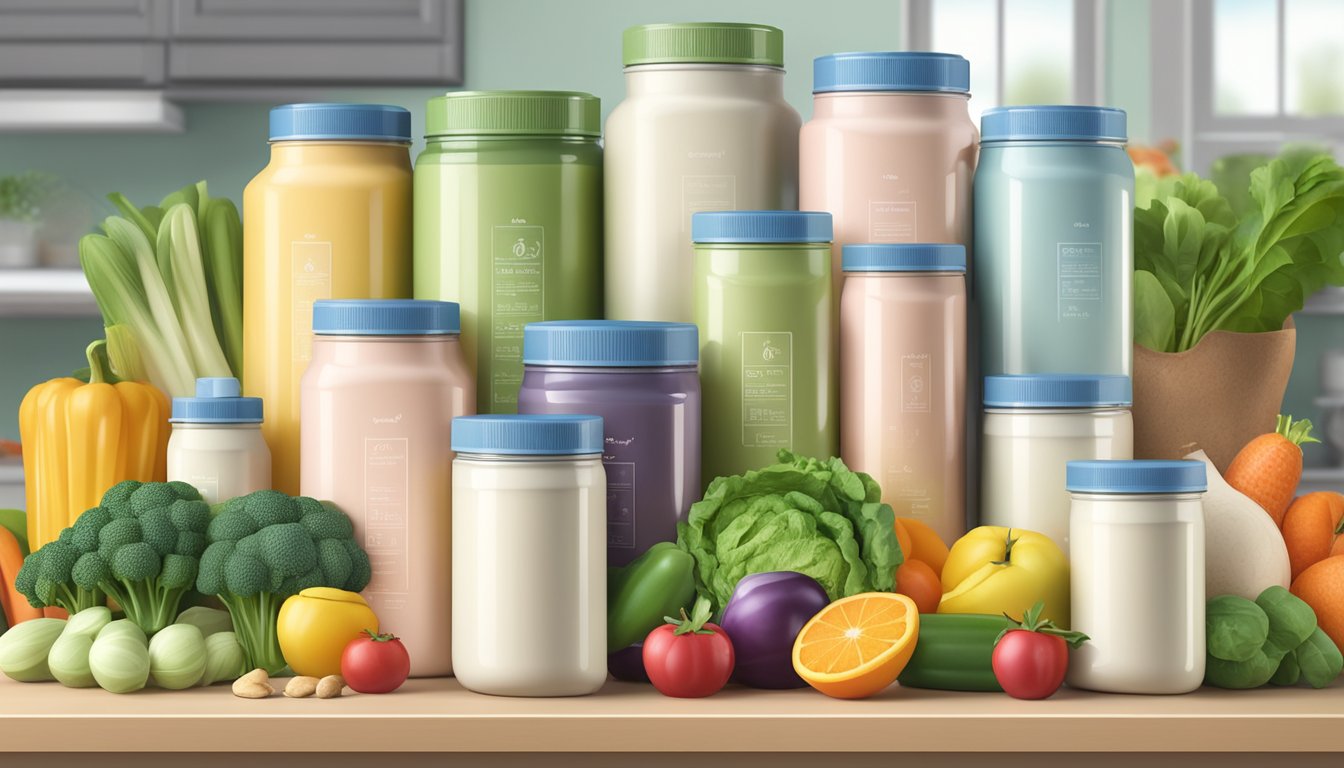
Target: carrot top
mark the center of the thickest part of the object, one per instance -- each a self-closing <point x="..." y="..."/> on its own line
<point x="1298" y="432"/>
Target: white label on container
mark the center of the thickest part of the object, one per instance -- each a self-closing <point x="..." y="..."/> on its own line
<point x="767" y="389"/>
<point x="1080" y="280"/>
<point x="916" y="383"/>
<point x="891" y="221"/>
<point x="518" y="296"/>
<point x="387" y="512"/>
<point x="706" y="193"/>
<point x="620" y="504"/>
<point x="310" y="280"/>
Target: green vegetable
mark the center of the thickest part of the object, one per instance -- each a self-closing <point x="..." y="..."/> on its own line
<point x="224" y="659"/>
<point x="658" y="583"/>
<point x="221" y="244"/>
<point x="1273" y="639"/>
<point x="125" y="627"/>
<point x="1289" y="671"/>
<point x="1201" y="268"/>
<point x="119" y="658"/>
<point x="140" y="546"/>
<point x="17" y="522"/>
<point x="805" y="515"/>
<point x="177" y="657"/>
<point x="1291" y="620"/>
<point x="1319" y="659"/>
<point x="208" y="620"/>
<point x="69" y="660"/>
<point x="24" y="648"/>
<point x="954" y="652"/>
<point x="266" y="546"/>
<point x="1235" y="628"/>
<point x="1239" y="675"/>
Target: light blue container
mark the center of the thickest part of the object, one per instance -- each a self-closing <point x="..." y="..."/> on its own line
<point x="1054" y="200"/>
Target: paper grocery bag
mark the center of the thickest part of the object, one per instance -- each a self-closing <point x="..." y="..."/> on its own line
<point x="1218" y="395"/>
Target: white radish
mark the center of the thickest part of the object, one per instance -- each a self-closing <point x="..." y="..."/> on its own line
<point x="1243" y="550"/>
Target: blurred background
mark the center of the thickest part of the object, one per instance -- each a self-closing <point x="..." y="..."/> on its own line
<point x="144" y="96"/>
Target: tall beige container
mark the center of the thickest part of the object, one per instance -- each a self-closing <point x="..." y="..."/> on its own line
<point x="704" y="127"/>
<point x="903" y="377"/>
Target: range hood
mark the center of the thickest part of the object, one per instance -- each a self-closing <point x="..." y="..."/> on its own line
<point x="75" y="111"/>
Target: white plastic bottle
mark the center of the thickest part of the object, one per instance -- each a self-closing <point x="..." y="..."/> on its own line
<point x="216" y="445"/>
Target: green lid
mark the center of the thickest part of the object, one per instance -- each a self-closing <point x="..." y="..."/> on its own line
<point x="482" y="113"/>
<point x="704" y="43"/>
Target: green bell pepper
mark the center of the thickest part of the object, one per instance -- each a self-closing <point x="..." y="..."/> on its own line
<point x="658" y="583"/>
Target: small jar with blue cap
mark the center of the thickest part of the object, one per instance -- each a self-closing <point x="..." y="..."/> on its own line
<point x="903" y="377"/>
<point x="216" y="445"/>
<point x="330" y="215"/>
<point x="1136" y="544"/>
<point x="1054" y="256"/>
<point x="767" y="319"/>
<point x="642" y="378"/>
<point x="890" y="149"/>
<point x="529" y="554"/>
<point x="378" y="402"/>
<point x="1033" y="426"/>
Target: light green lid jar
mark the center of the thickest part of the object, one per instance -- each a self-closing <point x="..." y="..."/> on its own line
<point x="703" y="43"/>
<point x="519" y="113"/>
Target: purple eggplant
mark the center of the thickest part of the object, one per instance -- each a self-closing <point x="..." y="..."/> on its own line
<point x="628" y="664"/>
<point x="764" y="617"/>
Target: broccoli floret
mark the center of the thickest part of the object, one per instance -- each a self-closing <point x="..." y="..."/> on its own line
<point x="266" y="546"/>
<point x="46" y="578"/>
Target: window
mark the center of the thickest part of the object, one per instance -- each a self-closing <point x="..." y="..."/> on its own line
<point x="1021" y="51"/>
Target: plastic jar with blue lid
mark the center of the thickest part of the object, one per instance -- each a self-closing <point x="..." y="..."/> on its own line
<point x="1136" y="546"/>
<point x="216" y="445"/>
<point x="1033" y="426"/>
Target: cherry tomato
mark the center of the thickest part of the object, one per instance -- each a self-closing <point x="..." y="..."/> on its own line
<point x="375" y="663"/>
<point x="689" y="660"/>
<point x="1030" y="665"/>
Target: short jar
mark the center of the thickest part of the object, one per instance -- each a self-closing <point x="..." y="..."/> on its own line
<point x="1137" y="575"/>
<point x="216" y="445"/>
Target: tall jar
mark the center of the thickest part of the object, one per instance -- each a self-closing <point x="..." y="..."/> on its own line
<point x="890" y="149"/>
<point x="1144" y="620"/>
<point x="642" y="378"/>
<point x="216" y="445"/>
<point x="903" y="377"/>
<point x="768" y="361"/>
<point x="328" y="217"/>
<point x="704" y="127"/>
<point x="508" y="221"/>
<point x="1054" y="255"/>
<point x="529" y="555"/>
<point x="386" y="381"/>
<point x="1033" y="427"/>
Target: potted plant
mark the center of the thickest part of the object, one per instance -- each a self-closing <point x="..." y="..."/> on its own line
<point x="21" y="199"/>
<point x="1214" y="293"/>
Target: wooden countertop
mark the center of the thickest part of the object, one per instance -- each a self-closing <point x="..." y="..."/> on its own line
<point x="439" y="716"/>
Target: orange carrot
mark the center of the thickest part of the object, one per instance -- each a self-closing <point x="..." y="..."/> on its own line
<point x="13" y="602"/>
<point x="1310" y="527"/>
<point x="1269" y="467"/>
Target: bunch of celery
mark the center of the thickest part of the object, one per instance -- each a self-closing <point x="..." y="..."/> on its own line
<point x="169" y="282"/>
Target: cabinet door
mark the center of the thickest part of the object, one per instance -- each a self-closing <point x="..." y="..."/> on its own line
<point x="130" y="20"/>
<point x="310" y="20"/>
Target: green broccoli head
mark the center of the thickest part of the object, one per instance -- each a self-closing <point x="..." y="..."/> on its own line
<point x="46" y="578"/>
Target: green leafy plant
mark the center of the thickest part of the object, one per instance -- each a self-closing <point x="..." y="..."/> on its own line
<point x="23" y="195"/>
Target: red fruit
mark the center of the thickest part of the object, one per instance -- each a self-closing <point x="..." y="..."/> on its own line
<point x="375" y="663"/>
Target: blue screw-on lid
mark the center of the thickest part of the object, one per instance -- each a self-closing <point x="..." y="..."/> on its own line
<point x="217" y="401"/>
<point x="903" y="257"/>
<point x="1052" y="123"/>
<point x="891" y="71"/>
<point x="1058" y="390"/>
<point x="528" y="434"/>
<point x="761" y="227"/>
<point x="385" y="317"/>
<point x="1136" y="477"/>
<point x="611" y="343"/>
<point x="337" y="122"/>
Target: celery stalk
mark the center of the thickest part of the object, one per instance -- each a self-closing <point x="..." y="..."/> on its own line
<point x="179" y="257"/>
<point x="170" y="353"/>
<point x="222" y="246"/>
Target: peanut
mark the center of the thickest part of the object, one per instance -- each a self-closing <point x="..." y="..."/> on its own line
<point x="330" y="686"/>
<point x="254" y="685"/>
<point x="301" y="687"/>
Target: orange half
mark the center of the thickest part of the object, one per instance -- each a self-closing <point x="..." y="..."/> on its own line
<point x="857" y="645"/>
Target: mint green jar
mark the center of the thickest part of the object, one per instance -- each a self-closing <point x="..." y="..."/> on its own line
<point x="508" y="222"/>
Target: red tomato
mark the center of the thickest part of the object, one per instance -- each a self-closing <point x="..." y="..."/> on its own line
<point x="375" y="663"/>
<point x="1030" y="665"/>
<point x="690" y="665"/>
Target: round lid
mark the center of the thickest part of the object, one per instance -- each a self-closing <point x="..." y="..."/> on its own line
<point x="217" y="401"/>
<point x="484" y="113"/>
<point x="611" y="343"/>
<point x="335" y="122"/>
<point x="1058" y="390"/>
<point x="385" y="317"/>
<point x="703" y="43"/>
<point x="528" y="435"/>
<point x="760" y="227"/>
<point x="903" y="257"/>
<point x="891" y="71"/>
<point x="1136" y="477"/>
<point x="1052" y="123"/>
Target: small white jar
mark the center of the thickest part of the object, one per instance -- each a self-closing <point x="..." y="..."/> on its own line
<point x="529" y="600"/>
<point x="1033" y="427"/>
<point x="216" y="445"/>
<point x="1137" y="575"/>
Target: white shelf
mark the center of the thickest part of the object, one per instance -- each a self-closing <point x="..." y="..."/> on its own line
<point x="1327" y="301"/>
<point x="45" y="293"/>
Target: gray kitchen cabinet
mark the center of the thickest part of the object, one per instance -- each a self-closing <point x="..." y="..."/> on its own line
<point x="69" y="20"/>
<point x="85" y="42"/>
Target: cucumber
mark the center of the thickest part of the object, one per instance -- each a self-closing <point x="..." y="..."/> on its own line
<point x="954" y="651"/>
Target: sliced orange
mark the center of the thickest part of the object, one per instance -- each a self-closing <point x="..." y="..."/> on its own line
<point x="857" y="645"/>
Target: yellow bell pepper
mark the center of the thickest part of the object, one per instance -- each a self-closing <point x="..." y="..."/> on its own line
<point x="81" y="439"/>
<point x="998" y="570"/>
